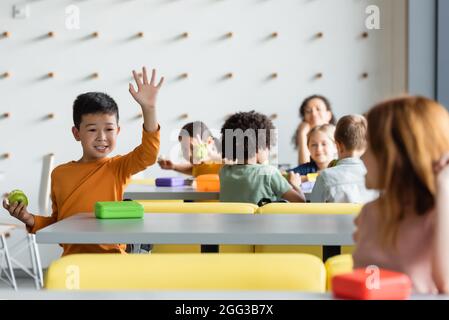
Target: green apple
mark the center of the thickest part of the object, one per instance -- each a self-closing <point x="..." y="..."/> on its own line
<point x="201" y="151"/>
<point x="17" y="196"/>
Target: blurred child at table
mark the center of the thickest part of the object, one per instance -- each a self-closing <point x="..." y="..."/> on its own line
<point x="314" y="111"/>
<point x="345" y="182"/>
<point x="406" y="229"/>
<point x="199" y="148"/>
<point x="320" y="141"/>
<point x="77" y="185"/>
<point x="246" y="139"/>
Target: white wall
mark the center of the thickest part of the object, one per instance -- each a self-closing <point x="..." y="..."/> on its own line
<point x="341" y="55"/>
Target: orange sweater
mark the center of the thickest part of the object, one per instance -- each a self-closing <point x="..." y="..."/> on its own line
<point x="76" y="187"/>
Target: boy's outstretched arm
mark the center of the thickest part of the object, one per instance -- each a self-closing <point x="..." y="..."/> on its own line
<point x="146" y="96"/>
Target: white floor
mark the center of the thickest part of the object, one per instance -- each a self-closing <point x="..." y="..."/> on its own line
<point x="22" y="284"/>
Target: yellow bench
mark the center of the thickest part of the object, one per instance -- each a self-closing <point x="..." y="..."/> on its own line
<point x="338" y="265"/>
<point x="180" y="272"/>
<point x="198" y="208"/>
<point x="306" y="208"/>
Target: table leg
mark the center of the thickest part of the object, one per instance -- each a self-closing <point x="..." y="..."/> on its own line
<point x="136" y="248"/>
<point x="209" y="248"/>
<point x="330" y="251"/>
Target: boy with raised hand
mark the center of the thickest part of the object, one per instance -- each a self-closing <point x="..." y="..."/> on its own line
<point x="77" y="185"/>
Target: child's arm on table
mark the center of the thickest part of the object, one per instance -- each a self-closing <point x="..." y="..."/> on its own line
<point x="295" y="194"/>
<point x="185" y="168"/>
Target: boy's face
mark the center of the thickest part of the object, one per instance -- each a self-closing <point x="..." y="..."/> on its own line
<point x="98" y="134"/>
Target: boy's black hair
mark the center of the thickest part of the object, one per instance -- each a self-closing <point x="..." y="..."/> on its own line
<point x="256" y="129"/>
<point x="91" y="103"/>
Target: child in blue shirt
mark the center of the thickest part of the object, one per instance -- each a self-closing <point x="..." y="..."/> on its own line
<point x="320" y="142"/>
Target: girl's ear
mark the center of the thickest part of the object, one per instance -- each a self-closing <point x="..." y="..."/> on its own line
<point x="118" y="129"/>
<point x="76" y="133"/>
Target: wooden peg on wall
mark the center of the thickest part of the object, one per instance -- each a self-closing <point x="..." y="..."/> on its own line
<point x="51" y="34"/>
<point x="319" y="75"/>
<point x="274" y="116"/>
<point x="365" y="75"/>
<point x="185" y="35"/>
<point x="6" y="115"/>
<point x="365" y="35"/>
<point x="274" y="35"/>
<point x="50" y="116"/>
<point x="95" y="75"/>
<point x="229" y="75"/>
<point x="320" y="35"/>
<point x="183" y="116"/>
<point x="95" y="34"/>
<point x="51" y="75"/>
<point x="229" y="35"/>
<point x="6" y="34"/>
<point x="6" y="156"/>
<point x="184" y="76"/>
<point x="140" y="34"/>
<point x="274" y="75"/>
<point x="6" y="74"/>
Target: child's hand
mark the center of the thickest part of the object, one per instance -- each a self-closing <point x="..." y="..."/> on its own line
<point x="294" y="179"/>
<point x="20" y="212"/>
<point x="304" y="128"/>
<point x="166" y="164"/>
<point x="205" y="151"/>
<point x="146" y="93"/>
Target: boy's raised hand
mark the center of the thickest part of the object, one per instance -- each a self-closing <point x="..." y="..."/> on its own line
<point x="146" y="93"/>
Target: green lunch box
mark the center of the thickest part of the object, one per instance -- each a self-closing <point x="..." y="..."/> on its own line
<point x="119" y="210"/>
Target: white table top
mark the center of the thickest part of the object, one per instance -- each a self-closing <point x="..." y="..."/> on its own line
<point x="177" y="295"/>
<point x="189" y="193"/>
<point x="147" y="192"/>
<point x="176" y="228"/>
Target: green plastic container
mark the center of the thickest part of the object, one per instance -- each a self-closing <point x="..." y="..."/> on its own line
<point x="119" y="210"/>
